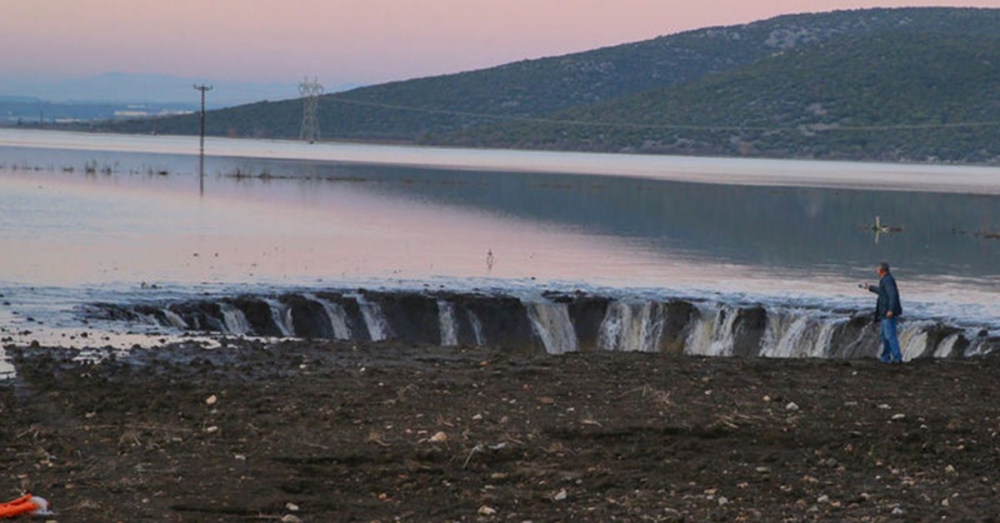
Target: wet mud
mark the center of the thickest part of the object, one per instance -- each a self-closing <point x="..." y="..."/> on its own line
<point x="394" y="431"/>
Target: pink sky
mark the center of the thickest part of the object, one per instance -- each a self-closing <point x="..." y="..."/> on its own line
<point x="341" y="41"/>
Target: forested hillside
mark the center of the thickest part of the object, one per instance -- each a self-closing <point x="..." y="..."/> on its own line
<point x="889" y="97"/>
<point x="798" y="85"/>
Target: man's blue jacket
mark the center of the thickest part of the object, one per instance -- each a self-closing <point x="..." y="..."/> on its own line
<point x="888" y="297"/>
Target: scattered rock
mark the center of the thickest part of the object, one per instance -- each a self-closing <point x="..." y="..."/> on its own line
<point x="487" y="511"/>
<point x="439" y="437"/>
<point x="211" y="400"/>
<point x="898" y="417"/>
<point x="562" y="495"/>
<point x="792" y="406"/>
<point x="291" y="507"/>
<point x="898" y="511"/>
<point x="823" y="499"/>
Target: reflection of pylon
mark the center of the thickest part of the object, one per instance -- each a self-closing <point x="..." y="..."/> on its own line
<point x="310" y="92"/>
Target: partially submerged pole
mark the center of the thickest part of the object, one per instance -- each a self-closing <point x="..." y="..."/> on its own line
<point x="201" y="151"/>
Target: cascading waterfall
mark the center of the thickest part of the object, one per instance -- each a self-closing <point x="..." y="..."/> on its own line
<point x="174" y="319"/>
<point x="233" y="318"/>
<point x="282" y="316"/>
<point x="632" y="327"/>
<point x="702" y="328"/>
<point x="378" y="326"/>
<point x="6" y="367"/>
<point x="477" y="329"/>
<point x="448" y="324"/>
<point x="798" y="335"/>
<point x="337" y="316"/>
<point x="553" y="325"/>
<point x="713" y="333"/>
<point x="979" y="347"/>
<point x="913" y="340"/>
<point x="947" y="346"/>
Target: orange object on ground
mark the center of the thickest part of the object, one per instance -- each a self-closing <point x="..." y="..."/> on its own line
<point x="25" y="504"/>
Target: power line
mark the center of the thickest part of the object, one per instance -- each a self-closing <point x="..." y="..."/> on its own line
<point x="814" y="128"/>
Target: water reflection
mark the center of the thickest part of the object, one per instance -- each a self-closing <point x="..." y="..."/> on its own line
<point x="88" y="217"/>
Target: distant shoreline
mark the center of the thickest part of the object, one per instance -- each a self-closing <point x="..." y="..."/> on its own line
<point x="960" y="179"/>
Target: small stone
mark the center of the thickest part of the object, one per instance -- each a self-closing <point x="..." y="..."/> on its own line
<point x="898" y="511"/>
<point x="767" y="398"/>
<point x="949" y="469"/>
<point x="562" y="495"/>
<point x="945" y="502"/>
<point x="823" y="499"/>
<point x="723" y="501"/>
<point x="212" y="429"/>
<point x="792" y="406"/>
<point x="440" y="437"/>
<point x="884" y="406"/>
<point x="291" y="507"/>
<point x="211" y="400"/>
<point x="831" y="462"/>
<point x="898" y="417"/>
<point x="477" y="417"/>
<point x="290" y="518"/>
<point x="487" y="511"/>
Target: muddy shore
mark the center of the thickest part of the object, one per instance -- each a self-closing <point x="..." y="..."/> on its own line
<point x="347" y="431"/>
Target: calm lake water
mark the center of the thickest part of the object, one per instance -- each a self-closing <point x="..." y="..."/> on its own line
<point x="78" y="224"/>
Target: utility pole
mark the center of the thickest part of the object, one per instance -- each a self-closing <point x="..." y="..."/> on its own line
<point x="201" y="151"/>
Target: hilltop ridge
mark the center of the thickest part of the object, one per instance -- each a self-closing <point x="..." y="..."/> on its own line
<point x="753" y="75"/>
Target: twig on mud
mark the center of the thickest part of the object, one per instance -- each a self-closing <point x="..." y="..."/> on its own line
<point x="477" y="448"/>
<point x="130" y="436"/>
<point x="658" y="396"/>
<point x="376" y="437"/>
<point x="33" y="430"/>
<point x="402" y="391"/>
<point x="512" y="439"/>
<point x="162" y="428"/>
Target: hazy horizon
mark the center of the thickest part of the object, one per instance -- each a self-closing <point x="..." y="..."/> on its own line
<point x="345" y="42"/>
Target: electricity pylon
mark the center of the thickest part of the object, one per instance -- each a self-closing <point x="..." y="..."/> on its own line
<point x="310" y="92"/>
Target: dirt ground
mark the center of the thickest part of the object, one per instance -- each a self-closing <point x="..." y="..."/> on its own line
<point x="317" y="432"/>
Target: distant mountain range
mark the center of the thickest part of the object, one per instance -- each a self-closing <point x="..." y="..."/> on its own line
<point x="126" y="88"/>
<point x="920" y="84"/>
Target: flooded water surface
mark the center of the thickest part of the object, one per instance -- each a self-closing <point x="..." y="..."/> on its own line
<point x="82" y="221"/>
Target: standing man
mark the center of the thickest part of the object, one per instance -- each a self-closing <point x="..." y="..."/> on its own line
<point x="887" y="310"/>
